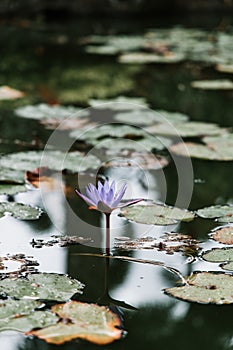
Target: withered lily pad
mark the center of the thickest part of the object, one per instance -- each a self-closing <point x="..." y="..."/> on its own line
<point x="195" y="150"/>
<point x="220" y="255"/>
<point x="45" y="286"/>
<point x="20" y="211"/>
<point x="44" y="111"/>
<point x="185" y="129"/>
<point x="91" y="322"/>
<point x="156" y="214"/>
<point x="56" y="160"/>
<point x="12" y="189"/>
<point x="223" y="213"/>
<point x="223" y="235"/>
<point x="20" y="315"/>
<point x="213" y="84"/>
<point x="205" y="288"/>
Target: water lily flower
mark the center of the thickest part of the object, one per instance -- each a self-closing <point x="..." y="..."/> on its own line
<point x="105" y="197"/>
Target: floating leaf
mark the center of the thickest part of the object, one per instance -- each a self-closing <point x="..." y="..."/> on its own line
<point x="56" y="160"/>
<point x="186" y="129"/>
<point x="156" y="214"/>
<point x="20" y="211"/>
<point x="137" y="159"/>
<point x="7" y="93"/>
<point x="11" y="176"/>
<point x="141" y="57"/>
<point x="195" y="150"/>
<point x="12" y="189"/>
<point x="44" y="111"/>
<point x="223" y="235"/>
<point x="205" y="288"/>
<point x="148" y="117"/>
<point x="91" y="322"/>
<point x="223" y="213"/>
<point x="96" y="134"/>
<point x="62" y="241"/>
<point x="220" y="84"/>
<point x="225" y="68"/>
<point x="45" y="286"/>
<point x="120" y="103"/>
<point x="218" y="255"/>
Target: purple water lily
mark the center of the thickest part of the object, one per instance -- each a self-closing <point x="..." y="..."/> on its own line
<point x="105" y="198"/>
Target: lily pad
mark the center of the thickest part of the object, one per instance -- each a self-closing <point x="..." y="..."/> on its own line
<point x="91" y="322"/>
<point x="223" y="213"/>
<point x="195" y="150"/>
<point x="12" y="189"/>
<point x="20" y="315"/>
<point x="45" y="286"/>
<point x="205" y="288"/>
<point x="148" y="117"/>
<point x="44" y="111"/>
<point x="141" y="160"/>
<point x="93" y="135"/>
<point x="120" y="103"/>
<point x="225" y="68"/>
<point x="8" y="93"/>
<point x="156" y="214"/>
<point x="223" y="235"/>
<point x="144" y="57"/>
<point x="220" y="84"/>
<point x="11" y="176"/>
<point x="56" y="160"/>
<point x="186" y="129"/>
<point x="218" y="255"/>
<point x="20" y="211"/>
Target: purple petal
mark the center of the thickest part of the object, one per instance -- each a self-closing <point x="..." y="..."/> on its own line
<point x="106" y="186"/>
<point x="85" y="198"/>
<point x="101" y="206"/>
<point x="119" y="195"/>
<point x="112" y="186"/>
<point x="92" y="193"/>
<point x="110" y="196"/>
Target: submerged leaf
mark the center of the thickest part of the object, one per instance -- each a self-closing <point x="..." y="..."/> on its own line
<point x="205" y="288"/>
<point x="156" y="214"/>
<point x="20" y="211"/>
<point x="91" y="322"/>
<point x="45" y="286"/>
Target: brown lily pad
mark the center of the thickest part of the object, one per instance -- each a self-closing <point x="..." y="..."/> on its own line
<point x="223" y="235"/>
<point x="91" y="322"/>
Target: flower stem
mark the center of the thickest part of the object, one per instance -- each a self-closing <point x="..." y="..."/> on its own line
<point x="107" y="248"/>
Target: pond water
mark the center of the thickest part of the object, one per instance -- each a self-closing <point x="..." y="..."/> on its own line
<point x="48" y="62"/>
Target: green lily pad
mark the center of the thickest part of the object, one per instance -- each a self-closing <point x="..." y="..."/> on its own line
<point x="218" y="255"/>
<point x="148" y="117"/>
<point x="156" y="214"/>
<point x="20" y="211"/>
<point x="205" y="288"/>
<point x="91" y="322"/>
<point x="56" y="160"/>
<point x="223" y="213"/>
<point x="227" y="266"/>
<point x="45" y="286"/>
<point x="93" y="135"/>
<point x="20" y="315"/>
<point x="120" y="103"/>
<point x="143" y="57"/>
<point x="220" y="84"/>
<point x="44" y="111"/>
<point x="225" y="68"/>
<point x="186" y="129"/>
<point x="12" y="189"/>
<point x="120" y="146"/>
<point x="11" y="176"/>
<point x="223" y="235"/>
